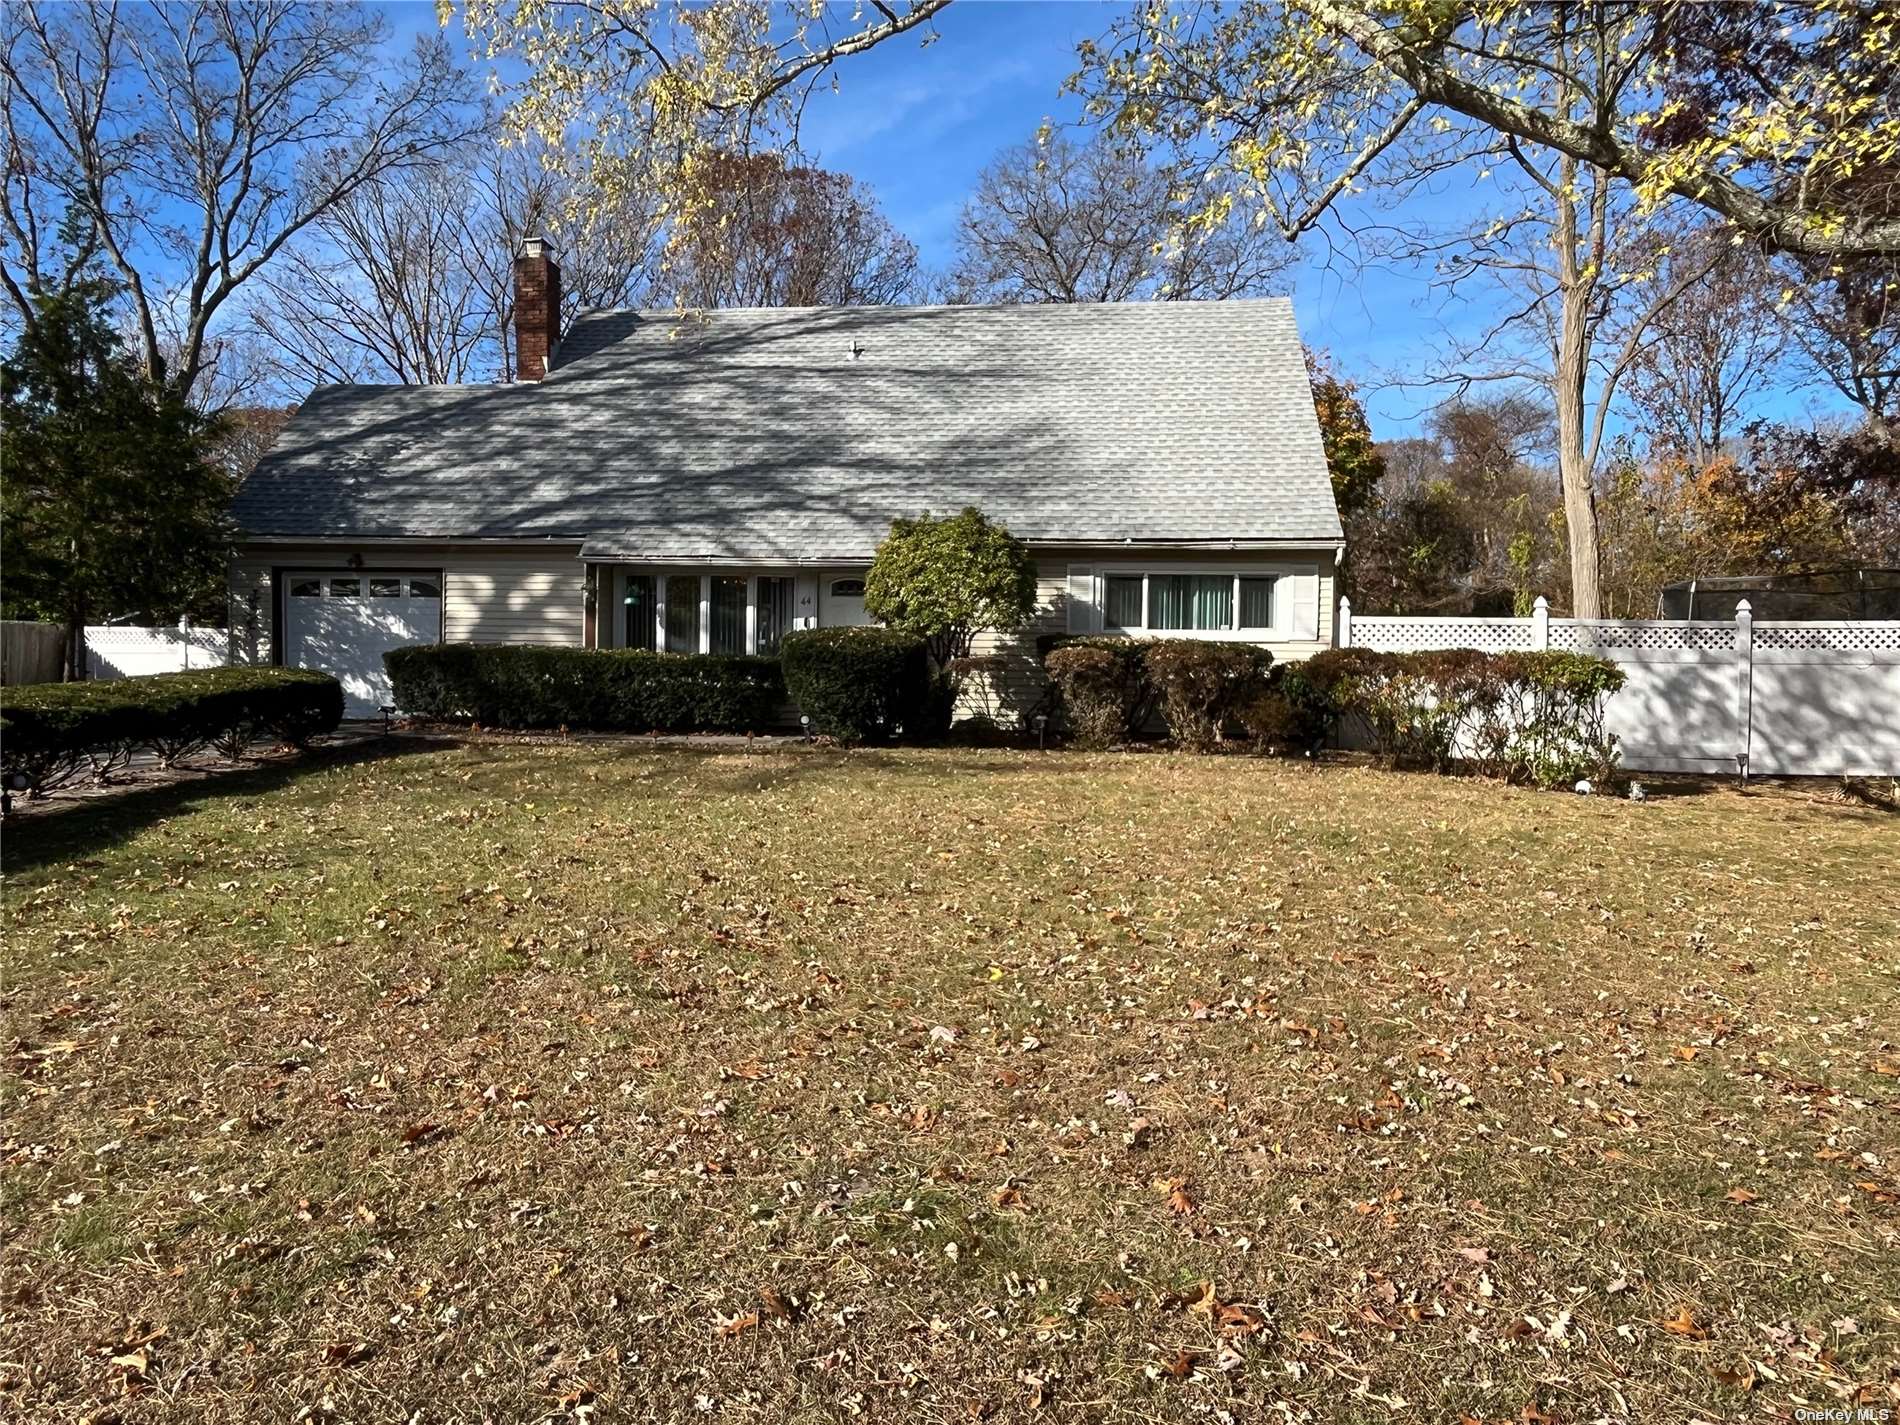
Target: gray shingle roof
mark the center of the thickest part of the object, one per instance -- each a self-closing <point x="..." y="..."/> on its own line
<point x="800" y="433"/>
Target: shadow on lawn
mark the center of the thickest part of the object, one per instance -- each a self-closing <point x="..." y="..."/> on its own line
<point x="69" y="829"/>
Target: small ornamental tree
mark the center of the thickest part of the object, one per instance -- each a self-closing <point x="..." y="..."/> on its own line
<point x="947" y="580"/>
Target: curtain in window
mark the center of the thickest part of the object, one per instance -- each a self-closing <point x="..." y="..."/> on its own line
<point x="1256" y="603"/>
<point x="1123" y="601"/>
<point x="639" y="611"/>
<point x="728" y="615"/>
<point x="682" y="613"/>
<point x="1171" y="601"/>
<point x="775" y="613"/>
<point x="1190" y="601"/>
<point x="1213" y="601"/>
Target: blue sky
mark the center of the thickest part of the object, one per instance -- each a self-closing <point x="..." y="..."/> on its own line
<point x="918" y="122"/>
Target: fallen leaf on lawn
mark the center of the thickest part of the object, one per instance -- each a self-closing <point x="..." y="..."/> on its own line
<point x="420" y="1133"/>
<point x="1204" y="1302"/>
<point x="136" y="1362"/>
<point x="1237" y="1319"/>
<point x="1686" y="1052"/>
<point x="1180" y="1201"/>
<point x="1879" y="1192"/>
<point x="737" y="1324"/>
<point x="775" y="1305"/>
<point x="347" y="1353"/>
<point x="1118" y="1300"/>
<point x="1741" y="1379"/>
<point x="1740" y="1195"/>
<point x="1182" y="1364"/>
<point x="1011" y="1197"/>
<point x="1480" y="1255"/>
<point x="1683" y="1323"/>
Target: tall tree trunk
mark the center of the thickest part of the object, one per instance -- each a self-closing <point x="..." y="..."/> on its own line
<point x="1577" y="279"/>
<point x="1573" y="462"/>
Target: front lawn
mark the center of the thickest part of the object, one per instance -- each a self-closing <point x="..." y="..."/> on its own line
<point x="606" y="1083"/>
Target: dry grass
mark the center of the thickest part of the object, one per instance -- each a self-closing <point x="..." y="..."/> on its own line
<point x="598" y="1083"/>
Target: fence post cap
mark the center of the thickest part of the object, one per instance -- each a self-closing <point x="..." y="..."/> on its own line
<point x="1541" y="604"/>
<point x="1742" y="609"/>
<point x="1344" y="602"/>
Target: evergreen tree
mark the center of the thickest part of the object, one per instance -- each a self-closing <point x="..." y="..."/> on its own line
<point x="112" y="503"/>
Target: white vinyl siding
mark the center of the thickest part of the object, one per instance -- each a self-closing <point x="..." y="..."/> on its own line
<point x="501" y="600"/>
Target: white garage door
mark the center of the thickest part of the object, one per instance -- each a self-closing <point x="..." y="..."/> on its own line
<point x="343" y="623"/>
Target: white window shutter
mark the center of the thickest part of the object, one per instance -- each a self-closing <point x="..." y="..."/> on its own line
<point x="1084" y="615"/>
<point x="1302" y="591"/>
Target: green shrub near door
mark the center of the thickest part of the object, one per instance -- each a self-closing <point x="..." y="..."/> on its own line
<point x="859" y="684"/>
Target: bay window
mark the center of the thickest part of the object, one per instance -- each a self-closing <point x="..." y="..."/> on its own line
<point x="774" y="613"/>
<point x="717" y="613"/>
<point x="728" y="615"/>
<point x="640" y="604"/>
<point x="682" y="613"/>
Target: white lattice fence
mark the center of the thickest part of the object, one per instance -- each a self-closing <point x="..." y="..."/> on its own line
<point x="1780" y="698"/>
<point x="121" y="651"/>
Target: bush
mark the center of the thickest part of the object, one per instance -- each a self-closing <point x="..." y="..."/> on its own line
<point x="1287" y="712"/>
<point x="1202" y="684"/>
<point x="1106" y="694"/>
<point x="1558" y="703"/>
<point x="1535" y="718"/>
<point x="597" y="689"/>
<point x="859" y="684"/>
<point x="49" y="731"/>
<point x="949" y="579"/>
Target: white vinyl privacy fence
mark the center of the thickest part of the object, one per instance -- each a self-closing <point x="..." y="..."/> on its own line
<point x="1780" y="699"/>
<point x="121" y="651"/>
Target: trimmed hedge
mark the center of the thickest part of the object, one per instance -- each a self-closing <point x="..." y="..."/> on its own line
<point x="1106" y="694"/>
<point x="49" y="731"/>
<point x="597" y="689"/>
<point x="860" y="684"/>
<point x="1202" y="684"/>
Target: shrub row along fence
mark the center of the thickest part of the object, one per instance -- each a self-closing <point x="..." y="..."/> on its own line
<point x="1778" y="698"/>
<point x="1535" y="718"/>
<point x="51" y="732"/>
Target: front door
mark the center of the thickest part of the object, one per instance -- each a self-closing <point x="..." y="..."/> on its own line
<point x="841" y="600"/>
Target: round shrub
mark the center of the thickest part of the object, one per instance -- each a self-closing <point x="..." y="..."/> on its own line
<point x="859" y="684"/>
<point x="1104" y="686"/>
<point x="1201" y="684"/>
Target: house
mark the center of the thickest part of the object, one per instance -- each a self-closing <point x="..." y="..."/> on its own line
<point x="706" y="483"/>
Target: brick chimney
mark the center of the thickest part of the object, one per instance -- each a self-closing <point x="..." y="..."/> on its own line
<point x="537" y="309"/>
